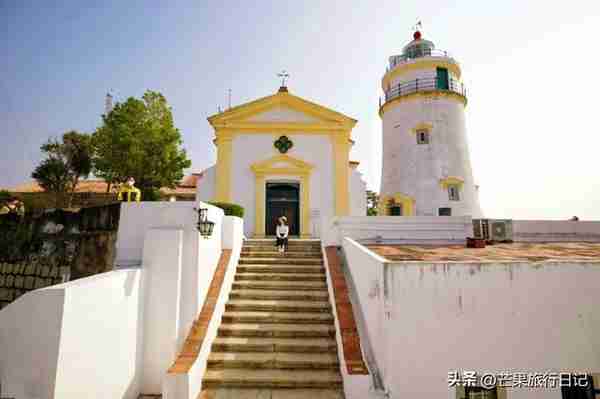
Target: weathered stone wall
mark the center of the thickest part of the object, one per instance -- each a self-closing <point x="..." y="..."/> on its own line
<point x="57" y="246"/>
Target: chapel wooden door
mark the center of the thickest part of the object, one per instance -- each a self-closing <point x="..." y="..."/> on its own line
<point x="282" y="199"/>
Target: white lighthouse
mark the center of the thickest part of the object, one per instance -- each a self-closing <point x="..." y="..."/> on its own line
<point x="426" y="168"/>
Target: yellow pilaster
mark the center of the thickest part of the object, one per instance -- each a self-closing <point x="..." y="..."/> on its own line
<point x="223" y="177"/>
<point x="305" y="206"/>
<point x="341" y="158"/>
<point x="259" y="221"/>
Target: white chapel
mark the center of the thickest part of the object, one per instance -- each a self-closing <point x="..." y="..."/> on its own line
<point x="284" y="155"/>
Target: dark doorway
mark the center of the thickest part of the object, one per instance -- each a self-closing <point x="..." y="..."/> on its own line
<point x="396" y="210"/>
<point x="283" y="199"/>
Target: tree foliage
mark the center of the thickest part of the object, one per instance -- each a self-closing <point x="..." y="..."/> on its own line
<point x="138" y="138"/>
<point x="372" y="203"/>
<point x="66" y="162"/>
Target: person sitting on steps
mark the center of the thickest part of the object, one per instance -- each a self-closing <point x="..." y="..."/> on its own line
<point x="281" y="233"/>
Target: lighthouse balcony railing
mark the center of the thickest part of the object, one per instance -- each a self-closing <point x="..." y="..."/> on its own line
<point x="423" y="85"/>
<point x="414" y="54"/>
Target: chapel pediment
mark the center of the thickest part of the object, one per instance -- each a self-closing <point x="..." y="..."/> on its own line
<point x="281" y="108"/>
<point x="282" y="114"/>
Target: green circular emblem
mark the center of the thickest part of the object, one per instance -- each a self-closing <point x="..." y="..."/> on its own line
<point x="283" y="144"/>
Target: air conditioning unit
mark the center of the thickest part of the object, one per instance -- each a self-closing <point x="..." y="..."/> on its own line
<point x="499" y="230"/>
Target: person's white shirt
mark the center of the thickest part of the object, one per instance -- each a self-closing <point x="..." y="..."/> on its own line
<point x="282" y="231"/>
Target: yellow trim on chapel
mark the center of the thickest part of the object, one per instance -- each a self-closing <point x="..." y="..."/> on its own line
<point x="422" y="126"/>
<point x="451" y="180"/>
<point x="294" y="167"/>
<point x="223" y="166"/>
<point x="407" y="202"/>
<point x="420" y="95"/>
<point x="419" y="64"/>
<point x="328" y="122"/>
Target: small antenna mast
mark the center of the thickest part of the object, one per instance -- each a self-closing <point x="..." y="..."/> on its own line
<point x="229" y="98"/>
<point x="418" y="26"/>
<point x="108" y="102"/>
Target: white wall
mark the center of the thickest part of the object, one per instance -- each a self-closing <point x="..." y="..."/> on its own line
<point x="115" y="334"/>
<point x="250" y="148"/>
<point x="426" y="319"/>
<point x="355" y="386"/>
<point x="74" y="340"/>
<point x="162" y="263"/>
<point x="154" y="228"/>
<point x="137" y="218"/>
<point x="416" y="169"/>
<point x="358" y="194"/>
<point x="556" y="231"/>
<point x="205" y="189"/>
<point x="395" y="229"/>
<point x="188" y="386"/>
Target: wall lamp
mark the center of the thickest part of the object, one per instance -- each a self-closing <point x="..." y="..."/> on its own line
<point x="205" y="227"/>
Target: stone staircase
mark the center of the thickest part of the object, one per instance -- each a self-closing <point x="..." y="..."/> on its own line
<point x="277" y="335"/>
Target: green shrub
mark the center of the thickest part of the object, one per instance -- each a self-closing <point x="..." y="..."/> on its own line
<point x="4" y="195"/>
<point x="151" y="194"/>
<point x="230" y="209"/>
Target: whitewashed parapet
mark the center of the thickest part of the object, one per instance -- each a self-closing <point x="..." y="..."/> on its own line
<point x="485" y="316"/>
<point x="439" y="230"/>
<point x="556" y="231"/>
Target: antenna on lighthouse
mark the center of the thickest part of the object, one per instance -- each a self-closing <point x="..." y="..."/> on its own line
<point x="417" y="30"/>
<point x="108" y="103"/>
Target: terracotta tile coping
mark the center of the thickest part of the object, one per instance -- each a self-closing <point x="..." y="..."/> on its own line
<point x="350" y="338"/>
<point x="514" y="252"/>
<point x="193" y="342"/>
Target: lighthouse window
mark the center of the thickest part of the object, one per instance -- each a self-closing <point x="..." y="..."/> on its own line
<point x="422" y="136"/>
<point x="453" y="194"/>
<point x="445" y="211"/>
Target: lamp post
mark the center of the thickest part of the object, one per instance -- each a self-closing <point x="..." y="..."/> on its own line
<point x="205" y="227"/>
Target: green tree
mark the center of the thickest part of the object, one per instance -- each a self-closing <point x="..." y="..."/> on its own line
<point x="66" y="162"/>
<point x="372" y="203"/>
<point x="138" y="138"/>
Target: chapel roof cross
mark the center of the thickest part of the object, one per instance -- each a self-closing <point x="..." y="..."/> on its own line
<point x="283" y="75"/>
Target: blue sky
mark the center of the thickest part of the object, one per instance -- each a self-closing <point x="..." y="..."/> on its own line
<point x="530" y="69"/>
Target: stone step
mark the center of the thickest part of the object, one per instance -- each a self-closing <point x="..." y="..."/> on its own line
<point x="276" y="294"/>
<point x="281" y="261"/>
<point x="267" y="247"/>
<point x="273" y="247"/>
<point x="272" y="330"/>
<point x="274" y="276"/>
<point x="291" y="242"/>
<point x="269" y="393"/>
<point x="295" y="345"/>
<point x="280" y="285"/>
<point x="256" y="268"/>
<point x="273" y="360"/>
<point x="272" y="378"/>
<point x="271" y="252"/>
<point x="249" y="305"/>
<point x="277" y="317"/>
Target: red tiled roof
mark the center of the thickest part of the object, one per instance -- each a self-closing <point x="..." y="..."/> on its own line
<point x="187" y="186"/>
<point x="84" y="186"/>
<point x="191" y="180"/>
